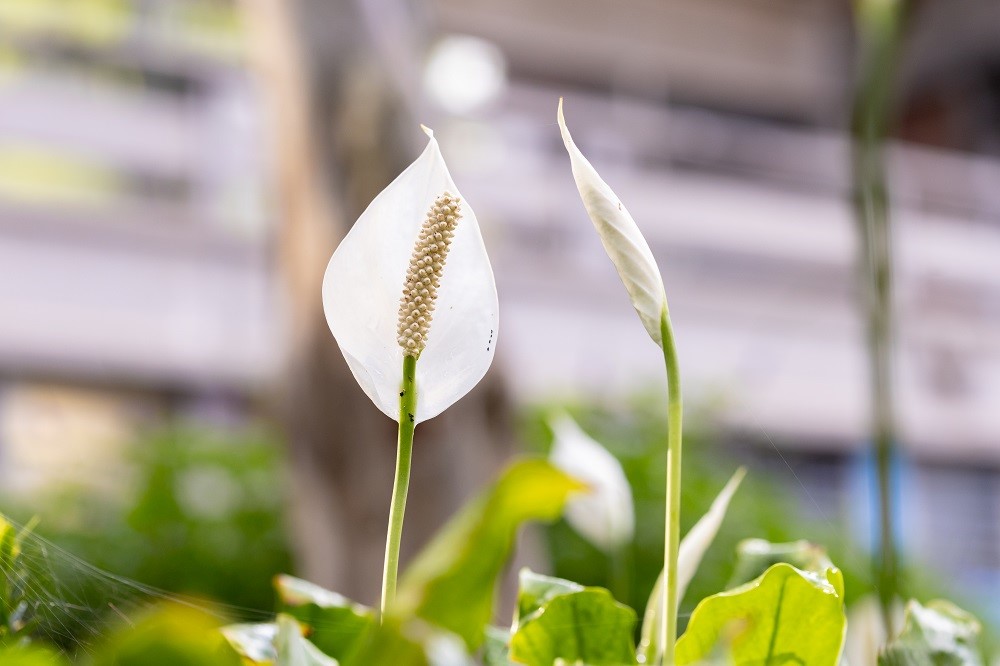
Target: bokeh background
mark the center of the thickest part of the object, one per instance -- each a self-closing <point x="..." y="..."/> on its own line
<point x="174" y="175"/>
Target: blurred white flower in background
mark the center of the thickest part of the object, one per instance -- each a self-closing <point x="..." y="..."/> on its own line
<point x="465" y="73"/>
<point x="605" y="515"/>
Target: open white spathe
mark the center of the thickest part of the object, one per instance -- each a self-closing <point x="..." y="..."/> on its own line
<point x="364" y="282"/>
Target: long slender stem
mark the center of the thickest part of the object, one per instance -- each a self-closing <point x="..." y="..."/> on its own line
<point x="879" y="25"/>
<point x="675" y="429"/>
<point x="404" y="454"/>
<point x="620" y="570"/>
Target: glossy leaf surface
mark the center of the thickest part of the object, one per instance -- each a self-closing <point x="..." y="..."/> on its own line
<point x="580" y="626"/>
<point x="787" y="616"/>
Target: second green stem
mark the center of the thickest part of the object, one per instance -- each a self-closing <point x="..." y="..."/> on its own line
<point x="668" y="635"/>
<point x="404" y="455"/>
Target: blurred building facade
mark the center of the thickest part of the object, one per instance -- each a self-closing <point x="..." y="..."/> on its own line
<point x="135" y="230"/>
<point x="723" y="128"/>
<point x="133" y="226"/>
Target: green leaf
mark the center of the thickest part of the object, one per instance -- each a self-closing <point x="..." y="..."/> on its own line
<point x="294" y="649"/>
<point x="452" y="582"/>
<point x="29" y="655"/>
<point x="411" y="643"/>
<point x="586" y="626"/>
<point x="938" y="634"/>
<point x="337" y="625"/>
<point x="172" y="635"/>
<point x="253" y="642"/>
<point x="755" y="556"/>
<point x="388" y="645"/>
<point x="496" y="647"/>
<point x="534" y="590"/>
<point x="787" y="616"/>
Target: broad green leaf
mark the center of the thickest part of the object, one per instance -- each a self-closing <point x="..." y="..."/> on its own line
<point x="692" y="549"/>
<point x="452" y="582"/>
<point x="253" y="642"/>
<point x="337" y="625"/>
<point x="534" y="590"/>
<point x="294" y="649"/>
<point x="496" y="647"/>
<point x="938" y="634"/>
<point x="172" y="635"/>
<point x="586" y="626"/>
<point x="786" y="616"/>
<point x="755" y="556"/>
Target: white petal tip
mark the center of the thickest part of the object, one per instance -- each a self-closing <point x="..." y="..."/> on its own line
<point x="427" y="130"/>
<point x="563" y="130"/>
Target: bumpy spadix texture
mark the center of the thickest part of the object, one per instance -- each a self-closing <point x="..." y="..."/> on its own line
<point x="362" y="288"/>
<point x="620" y="236"/>
<point x="416" y="307"/>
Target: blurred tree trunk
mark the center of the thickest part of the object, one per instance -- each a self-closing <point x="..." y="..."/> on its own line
<point x="336" y="123"/>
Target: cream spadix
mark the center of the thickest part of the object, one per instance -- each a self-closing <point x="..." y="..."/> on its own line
<point x="621" y="237"/>
<point x="605" y="514"/>
<point x="412" y="277"/>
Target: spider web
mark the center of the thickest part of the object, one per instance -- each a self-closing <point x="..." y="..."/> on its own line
<point x="73" y="604"/>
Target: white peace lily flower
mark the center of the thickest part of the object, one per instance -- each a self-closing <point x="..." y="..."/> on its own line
<point x="621" y="237"/>
<point x="412" y="277"/>
<point x="605" y="516"/>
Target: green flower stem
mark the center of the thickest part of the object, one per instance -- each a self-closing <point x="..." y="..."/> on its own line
<point x="404" y="455"/>
<point x="620" y="571"/>
<point x="879" y="25"/>
<point x="668" y="630"/>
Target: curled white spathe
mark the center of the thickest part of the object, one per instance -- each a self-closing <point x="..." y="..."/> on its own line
<point x="605" y="514"/>
<point x="364" y="282"/>
<point x="620" y="236"/>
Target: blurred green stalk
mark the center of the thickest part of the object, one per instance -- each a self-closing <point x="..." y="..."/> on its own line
<point x="878" y="23"/>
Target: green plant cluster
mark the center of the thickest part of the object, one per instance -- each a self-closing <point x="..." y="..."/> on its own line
<point x="784" y="605"/>
<point x="192" y="505"/>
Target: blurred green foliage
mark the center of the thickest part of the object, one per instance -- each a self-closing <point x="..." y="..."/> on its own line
<point x="199" y="514"/>
<point x="168" y="635"/>
<point x="760" y="509"/>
